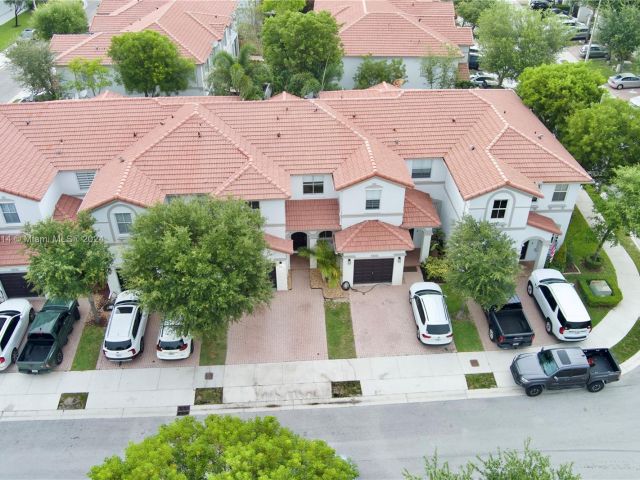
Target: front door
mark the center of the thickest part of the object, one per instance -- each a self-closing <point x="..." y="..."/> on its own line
<point x="523" y="250"/>
<point x="299" y="240"/>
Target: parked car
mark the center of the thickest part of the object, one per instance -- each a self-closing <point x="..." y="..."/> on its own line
<point x="560" y="368"/>
<point x="597" y="51"/>
<point x="171" y="345"/>
<point x="624" y="80"/>
<point x="564" y="313"/>
<point x="124" y="339"/>
<point x="15" y="317"/>
<point x="484" y="80"/>
<point x="509" y="327"/>
<point x="474" y="61"/>
<point x="580" y="32"/>
<point x="48" y="335"/>
<point x="430" y="314"/>
<point x="539" y="4"/>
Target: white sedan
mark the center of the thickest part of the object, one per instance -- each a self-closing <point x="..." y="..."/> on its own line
<point x="484" y="80"/>
<point x="430" y="314"/>
<point x="15" y="316"/>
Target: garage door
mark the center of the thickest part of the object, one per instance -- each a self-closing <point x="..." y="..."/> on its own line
<point x="15" y="285"/>
<point x="379" y="270"/>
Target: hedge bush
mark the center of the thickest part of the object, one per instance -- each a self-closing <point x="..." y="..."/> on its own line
<point x="435" y="269"/>
<point x="559" y="261"/>
<point x="595" y="301"/>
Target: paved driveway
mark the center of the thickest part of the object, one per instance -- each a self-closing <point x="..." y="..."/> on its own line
<point x="292" y="328"/>
<point x="383" y="324"/>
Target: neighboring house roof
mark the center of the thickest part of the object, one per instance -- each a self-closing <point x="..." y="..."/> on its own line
<point x="279" y="244"/>
<point x="147" y="148"/>
<point x="372" y="236"/>
<point x="543" y="223"/>
<point x="66" y="208"/>
<point x="419" y="210"/>
<point x="12" y="252"/>
<point x="305" y="215"/>
<point x="193" y="25"/>
<point x="391" y="28"/>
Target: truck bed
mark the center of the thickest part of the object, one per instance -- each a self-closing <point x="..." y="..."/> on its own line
<point x="513" y="322"/>
<point x="35" y="352"/>
<point x="601" y="361"/>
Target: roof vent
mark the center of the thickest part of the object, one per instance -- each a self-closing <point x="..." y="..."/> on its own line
<point x="353" y="115"/>
<point x="199" y="135"/>
<point x="28" y="122"/>
<point x="453" y="120"/>
<point x="161" y="123"/>
<point x="473" y="147"/>
<point x="540" y="136"/>
<point x="277" y="117"/>
<point x="397" y="141"/>
<point x="278" y="134"/>
<point x="135" y="134"/>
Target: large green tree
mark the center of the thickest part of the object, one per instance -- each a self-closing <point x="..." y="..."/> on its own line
<point x="32" y="66"/>
<point x="372" y="72"/>
<point x="555" y="91"/>
<point x="89" y="75"/>
<point x="296" y="44"/>
<point x="66" y="258"/>
<point x="238" y="75"/>
<point x="618" y="207"/>
<point x="149" y="63"/>
<point x="60" y="16"/>
<point x="482" y="261"/>
<point x="282" y="6"/>
<point x="226" y="448"/>
<point x="470" y="10"/>
<point x="514" y="38"/>
<point x="440" y="70"/>
<point x="604" y="136"/>
<point x="199" y="260"/>
<point x="619" y="29"/>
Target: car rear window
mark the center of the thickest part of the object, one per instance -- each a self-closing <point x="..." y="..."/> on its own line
<point x="170" y="345"/>
<point x="117" y="346"/>
<point x="125" y="310"/>
<point x="41" y="336"/>
<point x="440" y="329"/>
<point x="577" y="325"/>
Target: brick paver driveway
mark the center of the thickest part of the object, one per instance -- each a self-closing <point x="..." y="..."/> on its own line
<point x="291" y="329"/>
<point x="383" y="323"/>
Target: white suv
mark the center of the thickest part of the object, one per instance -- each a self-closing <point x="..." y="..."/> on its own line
<point x="430" y="314"/>
<point x="15" y="316"/>
<point x="125" y="333"/>
<point x="171" y="345"/>
<point x="563" y="311"/>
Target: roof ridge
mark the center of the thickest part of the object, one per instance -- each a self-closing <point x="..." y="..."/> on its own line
<point x="173" y="37"/>
<point x="90" y="36"/>
<point x="191" y="14"/>
<point x="390" y="229"/>
<point x="435" y="34"/>
<point x="414" y="203"/>
<point x="121" y="9"/>
<point x="151" y="17"/>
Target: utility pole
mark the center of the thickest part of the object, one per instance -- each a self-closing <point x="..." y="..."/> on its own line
<point x="593" y="29"/>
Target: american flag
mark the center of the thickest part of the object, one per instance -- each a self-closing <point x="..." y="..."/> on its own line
<point x="552" y="247"/>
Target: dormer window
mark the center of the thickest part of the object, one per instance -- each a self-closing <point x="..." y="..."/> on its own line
<point x="124" y="221"/>
<point x="312" y="184"/>
<point x="373" y="199"/>
<point x="421" y="168"/>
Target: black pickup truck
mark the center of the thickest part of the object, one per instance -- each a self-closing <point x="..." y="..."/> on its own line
<point x="509" y="327"/>
<point x="48" y="334"/>
<point x="559" y="368"/>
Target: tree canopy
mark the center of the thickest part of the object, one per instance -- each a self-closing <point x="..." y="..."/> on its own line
<point x="89" y="75"/>
<point x="604" y="136"/>
<point x="482" y="261"/>
<point x="32" y="66"/>
<point x="149" y="63"/>
<point x="372" y="72"/>
<point x="226" y="448"/>
<point x="440" y="70"/>
<point x="282" y="6"/>
<point x="66" y="258"/>
<point x="514" y="38"/>
<point x="295" y="43"/>
<point x="238" y="75"/>
<point x="17" y="6"/>
<point x="201" y="261"/>
<point x="60" y="16"/>
<point x="470" y="10"/>
<point x="555" y="91"/>
<point x="619" y="29"/>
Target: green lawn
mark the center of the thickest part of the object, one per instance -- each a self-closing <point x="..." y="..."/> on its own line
<point x="9" y="33"/>
<point x="480" y="380"/>
<point x="465" y="333"/>
<point x="89" y="348"/>
<point x="340" y="341"/>
<point x="629" y="345"/>
<point x="602" y="66"/>
<point x="213" y="350"/>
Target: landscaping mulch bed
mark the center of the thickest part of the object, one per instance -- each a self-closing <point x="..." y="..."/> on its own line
<point x="208" y="396"/>
<point x="316" y="281"/>
<point x="350" y="388"/>
<point x="73" y="401"/>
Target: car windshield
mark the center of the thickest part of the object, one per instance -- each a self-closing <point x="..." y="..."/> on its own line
<point x="439" y="329"/>
<point x="547" y="362"/>
<point x="117" y="346"/>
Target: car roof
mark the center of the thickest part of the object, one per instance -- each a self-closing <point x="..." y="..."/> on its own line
<point x="548" y="274"/>
<point x="14" y="304"/>
<point x="434" y="307"/>
<point x="45" y="320"/>
<point x="120" y="324"/>
<point x="569" y="356"/>
<point x="569" y="302"/>
<point x="127" y="296"/>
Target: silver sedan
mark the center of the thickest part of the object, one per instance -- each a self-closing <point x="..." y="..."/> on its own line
<point x="624" y="80"/>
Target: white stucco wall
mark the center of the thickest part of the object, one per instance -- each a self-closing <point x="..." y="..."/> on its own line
<point x="28" y="211"/>
<point x="296" y="187"/>
<point x="560" y="212"/>
<point x="518" y="207"/>
<point x="353" y="202"/>
<point x="274" y="217"/>
<point x="106" y="225"/>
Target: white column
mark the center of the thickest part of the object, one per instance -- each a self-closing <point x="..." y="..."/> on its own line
<point x="113" y="282"/>
<point x="426" y="244"/>
<point x="542" y="254"/>
<point x="347" y="269"/>
<point x="312" y="241"/>
<point x="282" y="275"/>
<point x="398" y="269"/>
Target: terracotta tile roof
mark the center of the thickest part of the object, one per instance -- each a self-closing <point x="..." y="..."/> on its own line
<point x="372" y="236"/>
<point x="305" y="215"/>
<point x="279" y="244"/>
<point x="12" y="252"/>
<point x="193" y="25"/>
<point x="66" y="208"/>
<point x="543" y="223"/>
<point x="419" y="210"/>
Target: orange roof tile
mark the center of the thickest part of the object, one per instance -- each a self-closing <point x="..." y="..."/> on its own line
<point x="12" y="252"/>
<point x="543" y="223"/>
<point x="372" y="236"/>
<point x="279" y="244"/>
<point x="66" y="208"/>
<point x="419" y="210"/>
<point x="305" y="215"/>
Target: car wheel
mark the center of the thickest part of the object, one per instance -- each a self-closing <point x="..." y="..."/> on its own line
<point x="492" y="335"/>
<point x="191" y="349"/>
<point x="142" y="345"/>
<point x="595" y="387"/>
<point x="548" y="327"/>
<point x="533" y="390"/>
<point x="619" y="87"/>
<point x="59" y="357"/>
<point x="14" y="355"/>
<point x="32" y="315"/>
<point x="530" y="289"/>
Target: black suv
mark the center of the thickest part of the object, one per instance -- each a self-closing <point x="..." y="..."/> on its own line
<point x="539" y="4"/>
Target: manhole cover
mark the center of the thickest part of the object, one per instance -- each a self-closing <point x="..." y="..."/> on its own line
<point x="208" y="376"/>
<point x="474" y="363"/>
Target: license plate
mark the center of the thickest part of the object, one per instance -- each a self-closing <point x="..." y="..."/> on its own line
<point x="34" y="371"/>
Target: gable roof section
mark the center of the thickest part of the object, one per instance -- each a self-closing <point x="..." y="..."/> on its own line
<point x="543" y="223"/>
<point x="305" y="215"/>
<point x="419" y="210"/>
<point x="12" y="252"/>
<point x="279" y="244"/>
<point x="372" y="236"/>
<point x="66" y="208"/>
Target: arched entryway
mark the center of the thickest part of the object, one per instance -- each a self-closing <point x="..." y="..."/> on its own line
<point x="299" y="240"/>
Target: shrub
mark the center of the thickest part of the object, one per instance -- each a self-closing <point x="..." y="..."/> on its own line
<point x="435" y="268"/>
<point x="559" y="261"/>
<point x="437" y="242"/>
<point x="595" y="301"/>
<point x="592" y="263"/>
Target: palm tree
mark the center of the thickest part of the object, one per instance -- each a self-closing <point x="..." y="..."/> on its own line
<point x="238" y="75"/>
<point x="328" y="261"/>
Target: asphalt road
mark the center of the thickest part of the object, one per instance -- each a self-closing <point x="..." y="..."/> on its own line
<point x="598" y="432"/>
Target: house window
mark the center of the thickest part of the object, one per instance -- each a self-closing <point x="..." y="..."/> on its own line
<point x="560" y="192"/>
<point x="10" y="213"/>
<point x="499" y="209"/>
<point x="254" y="204"/>
<point x="124" y="223"/>
<point x="85" y="179"/>
<point x="421" y="169"/>
<point x="326" y="235"/>
<point x="373" y="199"/>
<point x="312" y="184"/>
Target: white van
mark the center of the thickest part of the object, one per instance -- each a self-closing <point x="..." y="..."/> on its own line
<point x="124" y="339"/>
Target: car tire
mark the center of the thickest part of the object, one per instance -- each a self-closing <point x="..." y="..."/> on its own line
<point x="492" y="335"/>
<point x="192" y="348"/>
<point x="548" y="326"/>
<point x="14" y="355"/>
<point x="533" y="390"/>
<point x="595" y="387"/>
<point x="141" y="345"/>
<point x="59" y="357"/>
<point x="619" y="87"/>
<point x="32" y="315"/>
<point x="530" y="289"/>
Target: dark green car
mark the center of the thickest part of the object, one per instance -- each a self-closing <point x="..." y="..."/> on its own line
<point x="48" y="334"/>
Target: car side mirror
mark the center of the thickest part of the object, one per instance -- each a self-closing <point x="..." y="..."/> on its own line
<point x="555" y="378"/>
